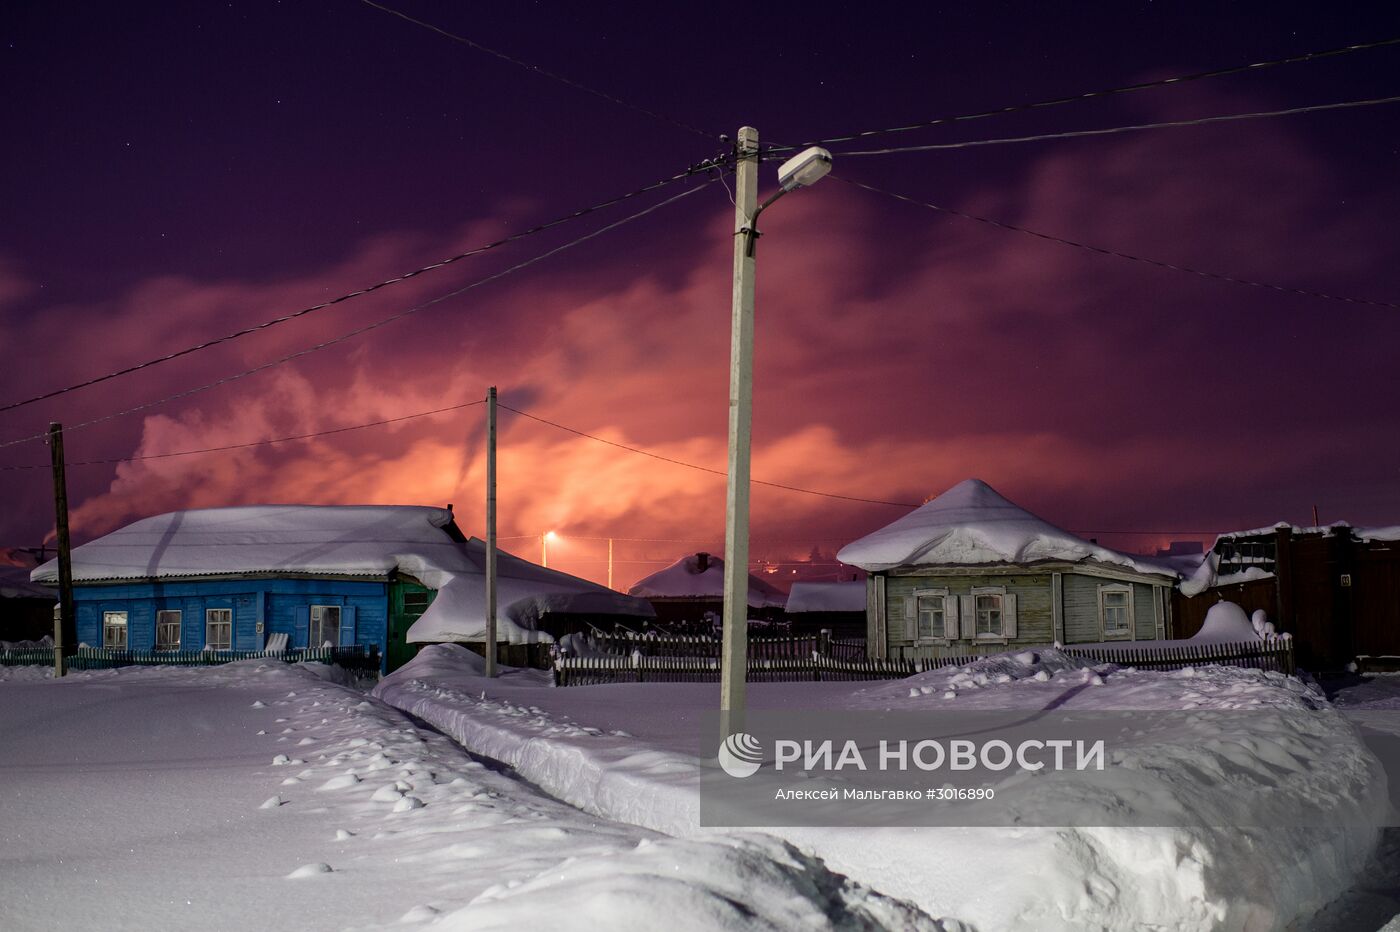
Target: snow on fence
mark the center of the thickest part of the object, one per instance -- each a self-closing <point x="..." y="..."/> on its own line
<point x="639" y="667"/>
<point x="703" y="645"/>
<point x="102" y="658"/>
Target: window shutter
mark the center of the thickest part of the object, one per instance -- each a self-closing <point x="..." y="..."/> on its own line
<point x="968" y="615"/>
<point x="911" y="618"/>
<point x="303" y="624"/>
<point x="1008" y="614"/>
<point x="347" y="626"/>
<point x="950" y="617"/>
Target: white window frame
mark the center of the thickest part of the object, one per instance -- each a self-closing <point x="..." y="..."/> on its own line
<point x="999" y="592"/>
<point x="1121" y="633"/>
<point x="941" y="633"/>
<point x="163" y="619"/>
<point x="209" y="622"/>
<point x="316" y="623"/>
<point x="111" y="623"/>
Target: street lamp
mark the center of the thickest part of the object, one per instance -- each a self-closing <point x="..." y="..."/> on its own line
<point x="545" y="538"/>
<point x="806" y="168"/>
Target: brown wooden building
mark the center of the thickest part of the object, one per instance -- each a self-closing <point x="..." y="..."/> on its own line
<point x="1336" y="589"/>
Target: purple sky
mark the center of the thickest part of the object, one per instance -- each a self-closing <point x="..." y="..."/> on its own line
<point x="173" y="172"/>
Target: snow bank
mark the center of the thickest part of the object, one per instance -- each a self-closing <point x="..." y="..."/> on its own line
<point x="738" y="884"/>
<point x="701" y="576"/>
<point x="972" y="524"/>
<point x="826" y="597"/>
<point x="996" y="878"/>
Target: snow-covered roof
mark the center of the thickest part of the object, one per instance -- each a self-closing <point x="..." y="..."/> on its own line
<point x="971" y="524"/>
<point x="826" y="597"/>
<point x="1296" y="530"/>
<point x="1378" y="533"/>
<point x="345" y="540"/>
<point x="524" y="592"/>
<point x="332" y="540"/>
<point x="701" y="576"/>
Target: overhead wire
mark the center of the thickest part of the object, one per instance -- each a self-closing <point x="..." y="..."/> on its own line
<point x="1117" y="130"/>
<point x="1107" y="92"/>
<point x="251" y="443"/>
<point x="1104" y="251"/>
<point x="576" y="85"/>
<point x="372" y="326"/>
<point x="704" y="166"/>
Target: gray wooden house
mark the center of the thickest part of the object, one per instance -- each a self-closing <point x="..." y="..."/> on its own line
<point x="971" y="569"/>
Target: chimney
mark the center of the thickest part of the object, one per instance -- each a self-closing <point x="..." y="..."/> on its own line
<point x="702" y="561"/>
<point x="449" y="508"/>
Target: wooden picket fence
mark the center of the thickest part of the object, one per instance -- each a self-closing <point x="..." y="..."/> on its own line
<point x="703" y="645"/>
<point x="1274" y="655"/>
<point x="102" y="658"/>
<point x="640" y="667"/>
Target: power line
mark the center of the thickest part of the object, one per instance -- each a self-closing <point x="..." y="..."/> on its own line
<point x="717" y="472"/>
<point x="703" y="166"/>
<point x="373" y="326"/>
<point x="541" y="71"/>
<point x="1103" y="251"/>
<point x="1109" y="92"/>
<point x="1115" y="130"/>
<point x="252" y="443"/>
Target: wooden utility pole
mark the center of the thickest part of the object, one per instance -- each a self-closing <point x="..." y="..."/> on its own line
<point x="491" y="531"/>
<point x="66" y="630"/>
<point x="735" y="649"/>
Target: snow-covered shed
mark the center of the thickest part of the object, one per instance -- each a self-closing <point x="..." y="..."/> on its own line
<point x="835" y="606"/>
<point x="970" y="567"/>
<point x="692" y="587"/>
<point x="1335" y="588"/>
<point x="354" y="576"/>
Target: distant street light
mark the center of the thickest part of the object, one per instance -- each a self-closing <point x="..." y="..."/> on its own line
<point x="806" y="168"/>
<point x="545" y="538"/>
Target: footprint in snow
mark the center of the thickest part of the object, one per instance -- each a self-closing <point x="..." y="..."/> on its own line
<point x="291" y="781"/>
<point x="309" y="870"/>
<point x="280" y="760"/>
<point x="259" y="704"/>
<point x="272" y="803"/>
<point x="343" y="834"/>
<point x="420" y="913"/>
<point x="305" y="741"/>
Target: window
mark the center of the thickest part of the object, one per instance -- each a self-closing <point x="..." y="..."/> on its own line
<point x="325" y="625"/>
<point x="114" y="630"/>
<point x="168" y="630"/>
<point x="932" y="621"/>
<point x="988" y="614"/>
<point x="218" y="629"/>
<point x="1116" y="610"/>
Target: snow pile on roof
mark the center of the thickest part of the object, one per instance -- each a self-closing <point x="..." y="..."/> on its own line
<point x="341" y="540"/>
<point x="1378" y="533"/>
<point x="348" y="540"/>
<point x="826" y="597"/>
<point x="972" y="524"/>
<point x="524" y="592"/>
<point x="701" y="576"/>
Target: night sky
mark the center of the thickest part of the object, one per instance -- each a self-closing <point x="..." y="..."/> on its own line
<point x="172" y="172"/>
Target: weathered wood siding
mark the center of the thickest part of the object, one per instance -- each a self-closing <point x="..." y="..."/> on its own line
<point x="1034" y="623"/>
<point x="1081" y="609"/>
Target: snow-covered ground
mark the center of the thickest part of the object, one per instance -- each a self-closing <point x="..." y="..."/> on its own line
<point x="261" y="795"/>
<point x="626" y="752"/>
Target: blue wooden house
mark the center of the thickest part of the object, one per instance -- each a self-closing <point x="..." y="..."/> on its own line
<point x="246" y="578"/>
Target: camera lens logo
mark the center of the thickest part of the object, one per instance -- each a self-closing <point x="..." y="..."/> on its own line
<point x="740" y="755"/>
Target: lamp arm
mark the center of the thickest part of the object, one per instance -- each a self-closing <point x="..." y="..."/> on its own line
<point x="751" y="233"/>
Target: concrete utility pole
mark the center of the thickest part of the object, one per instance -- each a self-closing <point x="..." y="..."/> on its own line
<point x="735" y="650"/>
<point x="66" y="630"/>
<point x="491" y="531"/>
<point x="610" y="562"/>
